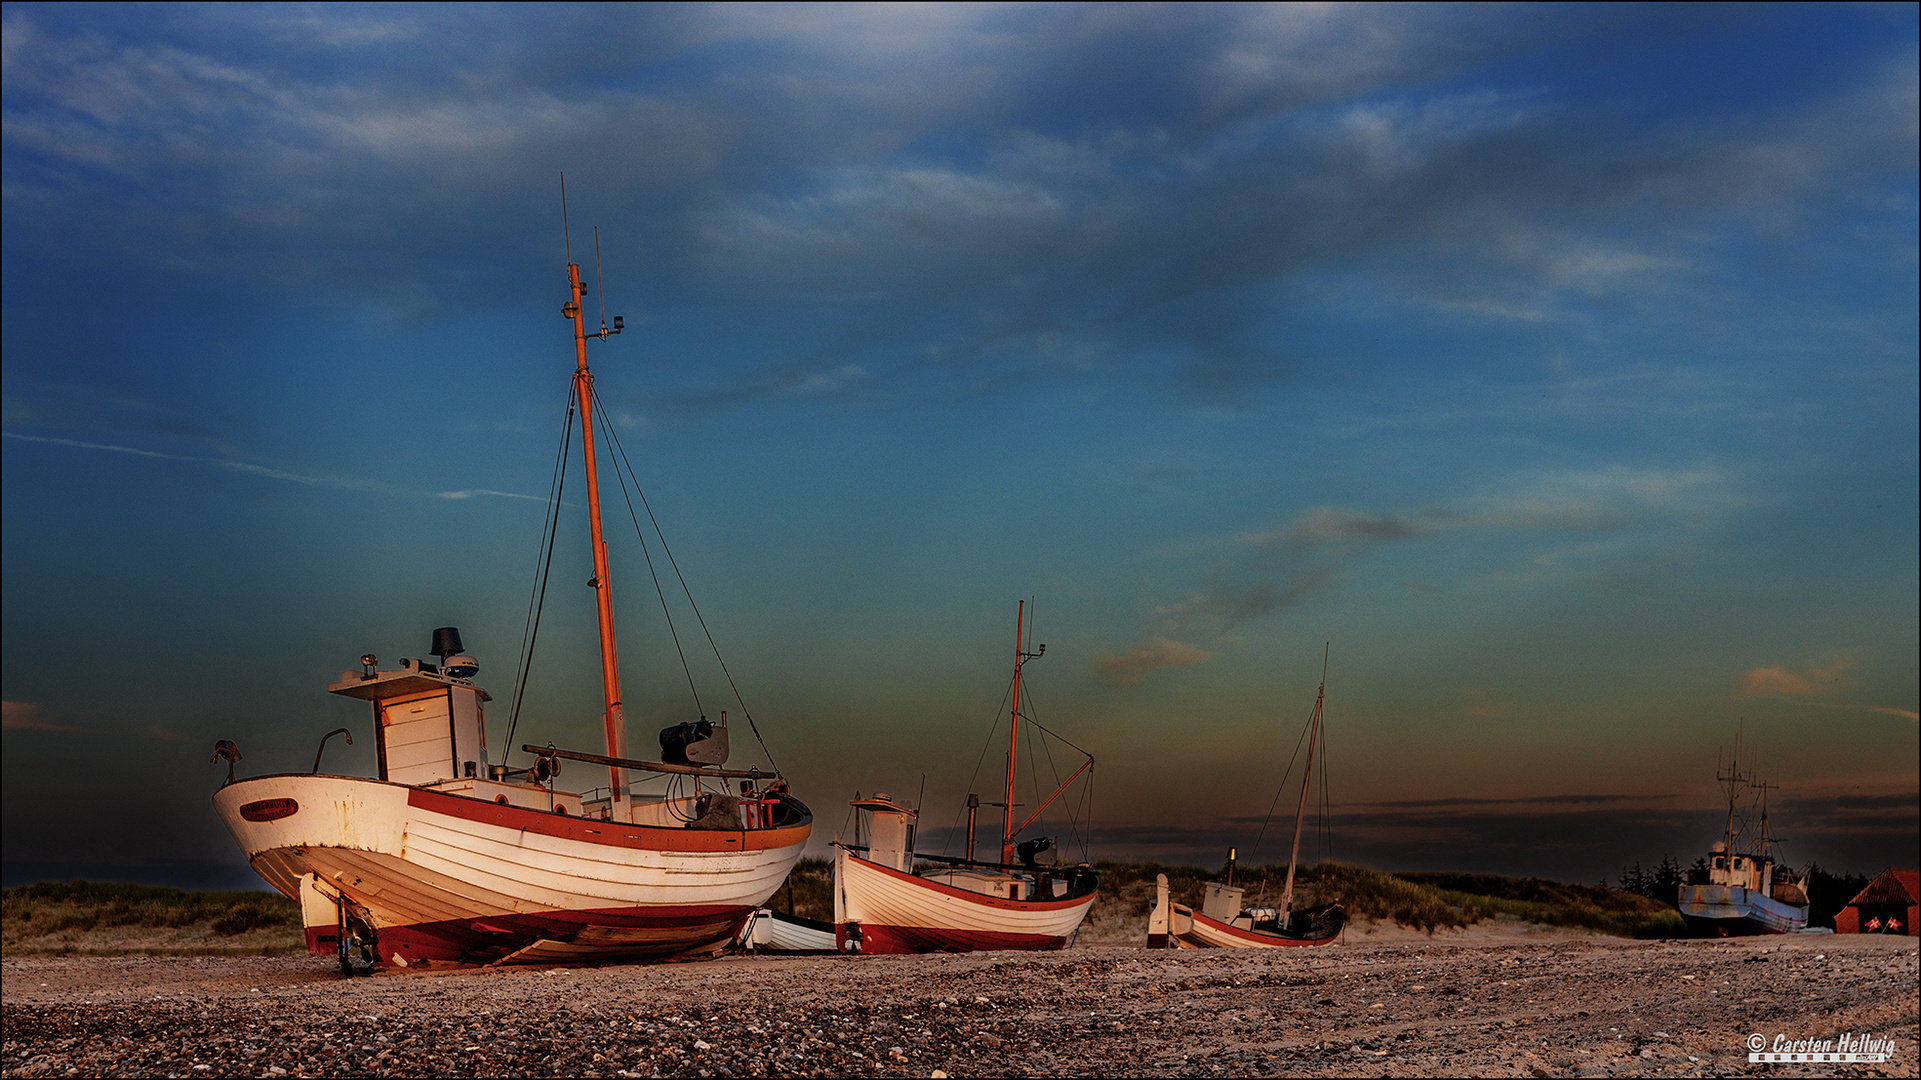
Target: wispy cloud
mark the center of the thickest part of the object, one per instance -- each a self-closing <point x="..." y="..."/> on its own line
<point x="1768" y="682"/>
<point x="26" y="716"/>
<point x="1138" y="662"/>
<point x="252" y="469"/>
<point x="1883" y="710"/>
<point x="1268" y="570"/>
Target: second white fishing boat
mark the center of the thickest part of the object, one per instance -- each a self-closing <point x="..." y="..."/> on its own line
<point x="883" y="904"/>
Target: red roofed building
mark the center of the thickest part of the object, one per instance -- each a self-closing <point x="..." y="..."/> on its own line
<point x="1891" y="904"/>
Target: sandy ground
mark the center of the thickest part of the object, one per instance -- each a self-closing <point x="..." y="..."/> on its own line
<point x="1503" y="1000"/>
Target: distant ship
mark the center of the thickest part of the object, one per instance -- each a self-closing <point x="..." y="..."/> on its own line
<point x="1744" y="891"/>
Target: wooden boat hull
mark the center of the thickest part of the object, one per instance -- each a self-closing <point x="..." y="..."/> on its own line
<point x="1177" y="926"/>
<point x="447" y="878"/>
<point x="890" y="911"/>
<point x="1201" y="932"/>
<point x="1733" y="911"/>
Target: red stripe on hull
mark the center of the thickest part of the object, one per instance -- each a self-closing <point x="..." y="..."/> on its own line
<point x="611" y="834"/>
<point x="971" y="897"/>
<point x="1258" y="939"/>
<point x="885" y="940"/>
<point x="628" y="933"/>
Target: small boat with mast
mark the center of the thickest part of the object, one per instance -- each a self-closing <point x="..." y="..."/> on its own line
<point x="446" y="857"/>
<point x="883" y="903"/>
<point x="1744" y="890"/>
<point x="1223" y="922"/>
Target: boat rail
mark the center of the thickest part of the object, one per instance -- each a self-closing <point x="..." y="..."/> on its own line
<point x="648" y="766"/>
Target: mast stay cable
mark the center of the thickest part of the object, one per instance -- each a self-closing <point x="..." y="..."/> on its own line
<point x="1279" y="790"/>
<point x="543" y="566"/>
<point x="653" y="572"/>
<point x="621" y="450"/>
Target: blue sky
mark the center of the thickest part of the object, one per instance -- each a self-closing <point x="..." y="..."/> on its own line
<point x="1555" y="367"/>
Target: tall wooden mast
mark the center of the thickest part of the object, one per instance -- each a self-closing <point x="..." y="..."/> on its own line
<point x="1008" y="828"/>
<point x="1300" y="811"/>
<point x="1013" y="740"/>
<point x="603" y="593"/>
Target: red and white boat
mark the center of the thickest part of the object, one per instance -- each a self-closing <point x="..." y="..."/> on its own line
<point x="446" y="857"/>
<point x="1223" y="922"/>
<point x="883" y="905"/>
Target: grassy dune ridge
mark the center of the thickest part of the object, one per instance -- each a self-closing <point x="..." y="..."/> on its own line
<point x="112" y="919"/>
<point x="52" y="918"/>
<point x="1420" y="901"/>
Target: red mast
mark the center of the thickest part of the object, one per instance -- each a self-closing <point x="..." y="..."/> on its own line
<point x="603" y="593"/>
<point x="1013" y="737"/>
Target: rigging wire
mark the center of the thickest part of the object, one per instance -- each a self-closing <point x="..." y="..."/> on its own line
<point x="1279" y="790"/>
<point x="1033" y="777"/>
<point x="653" y="572"/>
<point x="1073" y="822"/>
<point x="1087" y="804"/>
<point x="1053" y="734"/>
<point x="543" y="565"/>
<point x="675" y="564"/>
<point x="982" y="760"/>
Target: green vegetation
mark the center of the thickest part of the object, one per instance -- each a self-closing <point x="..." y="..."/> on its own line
<point x="100" y="918"/>
<point x="51" y="917"/>
<point x="809" y="891"/>
<point x="1430" y="901"/>
<point x="1552" y="903"/>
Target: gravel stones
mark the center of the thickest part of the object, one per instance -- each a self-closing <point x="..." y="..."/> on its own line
<point x="1572" y="1005"/>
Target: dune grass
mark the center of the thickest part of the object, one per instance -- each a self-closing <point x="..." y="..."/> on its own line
<point x="808" y="891"/>
<point x="107" y="919"/>
<point x="1420" y="901"/>
<point x="102" y="918"/>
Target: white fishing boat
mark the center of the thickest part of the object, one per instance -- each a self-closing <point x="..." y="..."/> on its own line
<point x="446" y="857"/>
<point x="884" y="904"/>
<point x="1223" y="921"/>
<point x="773" y="931"/>
<point x="1743" y="890"/>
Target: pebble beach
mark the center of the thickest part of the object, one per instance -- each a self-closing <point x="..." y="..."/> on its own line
<point x="1488" y="1002"/>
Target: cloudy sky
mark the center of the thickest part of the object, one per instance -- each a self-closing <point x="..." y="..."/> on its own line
<point x="1552" y="368"/>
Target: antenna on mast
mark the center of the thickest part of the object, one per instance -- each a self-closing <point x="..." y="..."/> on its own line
<point x="600" y="286"/>
<point x="566" y="237"/>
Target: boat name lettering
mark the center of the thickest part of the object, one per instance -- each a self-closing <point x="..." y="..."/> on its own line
<point x="269" y="809"/>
